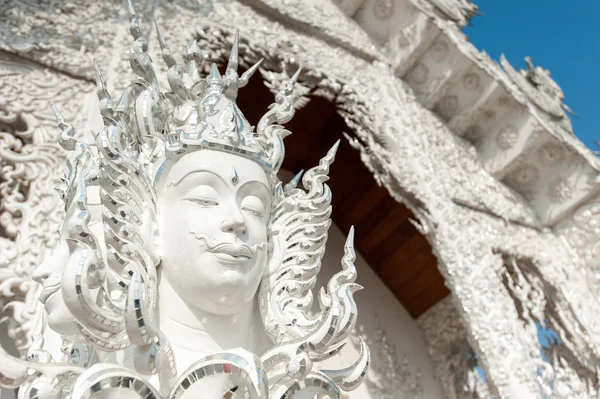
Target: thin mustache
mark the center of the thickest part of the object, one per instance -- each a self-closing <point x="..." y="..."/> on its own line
<point x="241" y="249"/>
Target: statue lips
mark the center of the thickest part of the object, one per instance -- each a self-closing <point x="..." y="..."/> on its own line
<point x="233" y="254"/>
<point x="48" y="292"/>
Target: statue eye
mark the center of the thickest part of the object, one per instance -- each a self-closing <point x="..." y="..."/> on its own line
<point x="204" y="196"/>
<point x="253" y="206"/>
<point x="254" y="212"/>
<point x="205" y="202"/>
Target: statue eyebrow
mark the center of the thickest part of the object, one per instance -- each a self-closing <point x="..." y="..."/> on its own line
<point x="175" y="183"/>
<point x="261" y="184"/>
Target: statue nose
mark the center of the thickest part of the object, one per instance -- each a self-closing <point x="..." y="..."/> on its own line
<point x="234" y="225"/>
<point x="41" y="273"/>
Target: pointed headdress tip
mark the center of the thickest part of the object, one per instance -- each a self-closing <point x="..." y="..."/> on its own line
<point x="284" y="133"/>
<point x="333" y="150"/>
<point x="57" y="114"/>
<point x="294" y="77"/>
<point x="99" y="76"/>
<point x="214" y="72"/>
<point x="161" y="38"/>
<point x="124" y="100"/>
<point x="232" y="64"/>
<point x="296" y="179"/>
<point x="351" y="234"/>
<point x="357" y="287"/>
<point x="349" y="245"/>
<point x="249" y="72"/>
<point x="257" y="64"/>
<point x="130" y="8"/>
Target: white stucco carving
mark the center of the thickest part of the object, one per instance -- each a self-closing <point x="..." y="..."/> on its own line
<point x="134" y="198"/>
<point x="491" y="178"/>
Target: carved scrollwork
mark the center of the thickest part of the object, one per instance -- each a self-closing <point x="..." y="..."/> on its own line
<point x="418" y="74"/>
<point x="551" y="154"/>
<point x="560" y="190"/>
<point x="507" y="137"/>
<point x="439" y="50"/>
<point x="30" y="210"/>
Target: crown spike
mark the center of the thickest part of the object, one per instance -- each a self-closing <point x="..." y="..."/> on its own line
<point x="123" y="105"/>
<point x="102" y="92"/>
<point x="67" y="133"/>
<point x="60" y="119"/>
<point x="100" y="82"/>
<point x="349" y="245"/>
<point x="248" y="74"/>
<point x="284" y="133"/>
<point x="214" y="74"/>
<point x="165" y="52"/>
<point x="176" y="81"/>
<point x="232" y="64"/>
<point x="139" y="60"/>
<point x="193" y="52"/>
<point x="134" y="23"/>
<point x="333" y="150"/>
<point x="294" y="77"/>
<point x="130" y="8"/>
<point x="294" y="182"/>
<point x="193" y="71"/>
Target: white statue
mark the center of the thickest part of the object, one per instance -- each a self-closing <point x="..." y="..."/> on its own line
<point x="185" y="267"/>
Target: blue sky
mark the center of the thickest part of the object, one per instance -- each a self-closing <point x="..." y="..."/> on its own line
<point x="562" y="36"/>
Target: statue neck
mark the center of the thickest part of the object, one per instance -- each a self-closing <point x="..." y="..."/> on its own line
<point x="193" y="333"/>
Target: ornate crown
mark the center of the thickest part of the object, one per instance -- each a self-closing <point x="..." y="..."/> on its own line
<point x="198" y="112"/>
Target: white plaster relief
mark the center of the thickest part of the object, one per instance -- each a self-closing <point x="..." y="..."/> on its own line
<point x="30" y="159"/>
<point x="438" y="171"/>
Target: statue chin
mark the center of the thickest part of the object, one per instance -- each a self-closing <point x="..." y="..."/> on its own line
<point x="60" y="318"/>
<point x="219" y="289"/>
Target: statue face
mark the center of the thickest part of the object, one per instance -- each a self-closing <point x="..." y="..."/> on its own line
<point x="213" y="215"/>
<point x="48" y="275"/>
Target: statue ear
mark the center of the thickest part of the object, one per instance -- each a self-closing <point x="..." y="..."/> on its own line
<point x="149" y="232"/>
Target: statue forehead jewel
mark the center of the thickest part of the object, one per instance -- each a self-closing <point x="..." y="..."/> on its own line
<point x="234" y="177"/>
